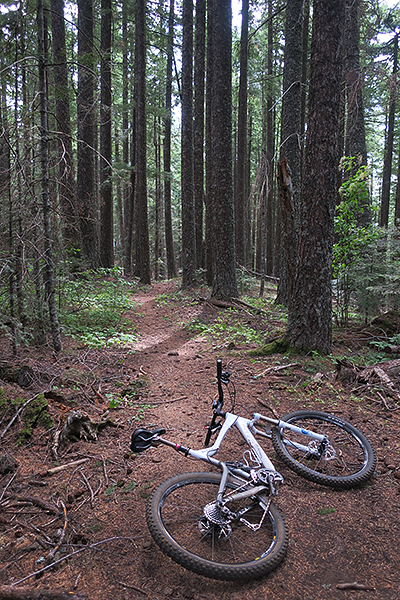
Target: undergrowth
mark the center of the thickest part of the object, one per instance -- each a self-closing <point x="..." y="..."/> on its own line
<point x="93" y="305"/>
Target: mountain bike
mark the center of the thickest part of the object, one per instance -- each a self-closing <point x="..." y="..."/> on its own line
<point x="224" y="524"/>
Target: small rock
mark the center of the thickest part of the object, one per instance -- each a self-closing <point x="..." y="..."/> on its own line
<point x="168" y="591"/>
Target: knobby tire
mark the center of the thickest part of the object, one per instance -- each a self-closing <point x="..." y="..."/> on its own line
<point x="354" y="460"/>
<point x="176" y="521"/>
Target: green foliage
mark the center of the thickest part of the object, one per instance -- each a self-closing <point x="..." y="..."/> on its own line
<point x="229" y="329"/>
<point x="92" y="308"/>
<point x="353" y="241"/>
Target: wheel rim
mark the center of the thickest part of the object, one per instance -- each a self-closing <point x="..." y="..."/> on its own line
<point x="225" y="542"/>
<point x="344" y="456"/>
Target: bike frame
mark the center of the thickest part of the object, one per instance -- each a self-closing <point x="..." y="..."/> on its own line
<point x="247" y="429"/>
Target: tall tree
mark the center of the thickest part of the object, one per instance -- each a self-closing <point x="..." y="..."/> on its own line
<point x="106" y="197"/>
<point x="169" y="242"/>
<point x="142" y="226"/>
<point x="128" y="187"/>
<point x="270" y="139"/>
<point x="355" y="139"/>
<point x="290" y="148"/>
<point x="241" y="164"/>
<point x="198" y="131"/>
<point x="66" y="185"/>
<point x="223" y="224"/>
<point x="86" y="197"/>
<point x="387" y="164"/>
<point x="310" y="308"/>
<point x="356" y="145"/>
<point x="188" y="215"/>
<point x="44" y="153"/>
<point x="208" y="237"/>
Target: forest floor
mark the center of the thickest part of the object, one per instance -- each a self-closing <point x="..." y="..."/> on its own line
<point x="86" y="523"/>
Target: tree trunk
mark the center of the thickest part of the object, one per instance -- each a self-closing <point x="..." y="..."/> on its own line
<point x="270" y="225"/>
<point x="142" y="228"/>
<point x="44" y="150"/>
<point x="169" y="242"/>
<point x="224" y="276"/>
<point x="198" y="132"/>
<point x="188" y="216"/>
<point x="158" y="198"/>
<point x="106" y="197"/>
<point x="310" y="309"/>
<point x="85" y="108"/>
<point x="208" y="147"/>
<point x="355" y="141"/>
<point x="6" y="194"/>
<point x="291" y="138"/>
<point x="66" y="184"/>
<point x="387" y="164"/>
<point x="397" y="207"/>
<point x="241" y="220"/>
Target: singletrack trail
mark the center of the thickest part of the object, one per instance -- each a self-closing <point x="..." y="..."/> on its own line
<point x="167" y="378"/>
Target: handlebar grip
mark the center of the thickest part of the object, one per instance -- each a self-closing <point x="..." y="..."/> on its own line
<point x="219" y="379"/>
<point x="210" y="430"/>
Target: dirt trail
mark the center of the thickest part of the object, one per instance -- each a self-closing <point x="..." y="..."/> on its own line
<point x="335" y="537"/>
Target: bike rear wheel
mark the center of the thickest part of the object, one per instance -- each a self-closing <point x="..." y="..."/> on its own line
<point x="229" y="551"/>
<point x="348" y="460"/>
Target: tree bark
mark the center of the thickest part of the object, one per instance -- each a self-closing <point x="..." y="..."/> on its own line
<point x="198" y="132"/>
<point x="387" y="164"/>
<point x="66" y="184"/>
<point x="44" y="151"/>
<point x="188" y="215"/>
<point x="209" y="151"/>
<point x="241" y="164"/>
<point x="142" y="227"/>
<point x="291" y="139"/>
<point x="86" y="199"/>
<point x="106" y="197"/>
<point x="310" y="309"/>
<point x="169" y="242"/>
<point x="270" y="224"/>
<point x="224" y="267"/>
<point x="355" y="140"/>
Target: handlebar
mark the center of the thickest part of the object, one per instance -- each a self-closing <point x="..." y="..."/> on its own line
<point x="143" y="439"/>
<point x="222" y="377"/>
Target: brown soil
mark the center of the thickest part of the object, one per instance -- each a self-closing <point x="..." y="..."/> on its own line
<point x="336" y="537"/>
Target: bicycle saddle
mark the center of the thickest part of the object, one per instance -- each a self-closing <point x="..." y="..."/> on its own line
<point x="142" y="439"/>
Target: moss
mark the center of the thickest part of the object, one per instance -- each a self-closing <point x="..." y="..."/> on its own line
<point x="36" y="413"/>
<point x="136" y="387"/>
<point x="275" y="347"/>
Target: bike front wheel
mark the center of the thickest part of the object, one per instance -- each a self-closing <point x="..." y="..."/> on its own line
<point x="203" y="540"/>
<point x="345" y="461"/>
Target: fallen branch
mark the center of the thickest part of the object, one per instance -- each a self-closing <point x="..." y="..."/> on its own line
<point x="8" y="592"/>
<point x="274" y="370"/>
<point x="355" y="586"/>
<point x="66" y="557"/>
<point x="55" y="470"/>
<point x="36" y="501"/>
<point x="19" y="411"/>
<point x="269" y="408"/>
